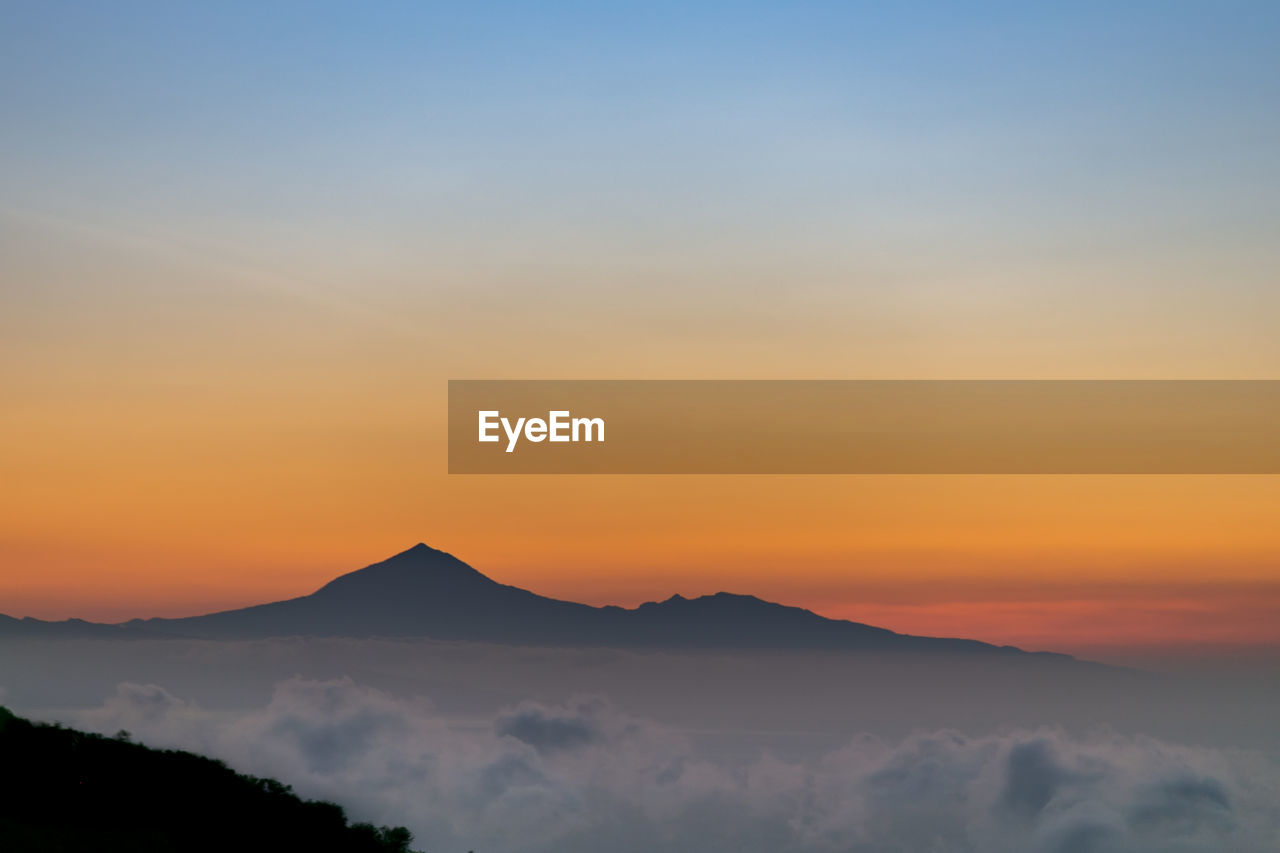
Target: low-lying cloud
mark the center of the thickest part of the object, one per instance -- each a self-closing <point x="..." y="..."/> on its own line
<point x="586" y="776"/>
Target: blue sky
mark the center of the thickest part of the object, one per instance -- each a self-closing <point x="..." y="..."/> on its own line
<point x="973" y="109"/>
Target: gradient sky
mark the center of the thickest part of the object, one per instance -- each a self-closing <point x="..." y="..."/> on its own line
<point x="242" y="247"/>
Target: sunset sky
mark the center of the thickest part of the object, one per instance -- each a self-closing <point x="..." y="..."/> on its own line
<point x="244" y="246"/>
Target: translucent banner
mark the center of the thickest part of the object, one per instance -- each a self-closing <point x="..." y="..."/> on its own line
<point x="864" y="426"/>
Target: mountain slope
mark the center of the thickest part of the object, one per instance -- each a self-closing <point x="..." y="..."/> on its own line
<point x="429" y="593"/>
<point x="63" y="790"/>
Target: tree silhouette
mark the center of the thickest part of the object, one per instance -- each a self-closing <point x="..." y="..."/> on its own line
<point x="67" y="791"/>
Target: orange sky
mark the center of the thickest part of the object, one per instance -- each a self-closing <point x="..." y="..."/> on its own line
<point x="187" y="513"/>
<point x="179" y="436"/>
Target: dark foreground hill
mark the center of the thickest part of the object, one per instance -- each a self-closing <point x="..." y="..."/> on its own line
<point x="423" y="592"/>
<point x="70" y="792"/>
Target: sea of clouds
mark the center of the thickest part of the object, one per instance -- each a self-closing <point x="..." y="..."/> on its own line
<point x="584" y="775"/>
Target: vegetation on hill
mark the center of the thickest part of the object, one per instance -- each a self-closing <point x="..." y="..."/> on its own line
<point x="66" y="791"/>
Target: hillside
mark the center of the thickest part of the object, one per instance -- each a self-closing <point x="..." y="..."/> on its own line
<point x="65" y="791"/>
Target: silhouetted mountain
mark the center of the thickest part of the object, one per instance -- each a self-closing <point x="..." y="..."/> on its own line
<point x="69" y="628"/>
<point x="423" y="592"/>
<point x="64" y="791"/>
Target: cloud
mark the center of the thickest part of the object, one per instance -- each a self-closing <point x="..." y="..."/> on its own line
<point x="584" y="775"/>
<point x="548" y="730"/>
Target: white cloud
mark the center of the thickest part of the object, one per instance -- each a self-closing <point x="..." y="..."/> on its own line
<point x="585" y="776"/>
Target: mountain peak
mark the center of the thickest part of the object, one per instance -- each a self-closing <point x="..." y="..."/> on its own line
<point x="421" y="554"/>
<point x="422" y="548"/>
<point x="415" y="567"/>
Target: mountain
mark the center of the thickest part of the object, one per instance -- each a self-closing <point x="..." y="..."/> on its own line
<point x="68" y="629"/>
<point x="423" y="592"/>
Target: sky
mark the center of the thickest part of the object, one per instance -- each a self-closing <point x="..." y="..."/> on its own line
<point x="243" y="248"/>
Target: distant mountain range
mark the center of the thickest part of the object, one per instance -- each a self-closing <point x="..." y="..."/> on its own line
<point x="70" y="628"/>
<point x="423" y="592"/>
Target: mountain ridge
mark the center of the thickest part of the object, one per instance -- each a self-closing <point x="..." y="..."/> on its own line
<point x="425" y="592"/>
